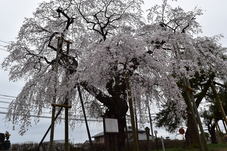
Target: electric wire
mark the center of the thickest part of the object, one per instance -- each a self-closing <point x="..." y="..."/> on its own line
<point x="48" y="117"/>
<point x="2" y="45"/>
<point x="9" y="96"/>
<point x="4" y="42"/>
<point x="2" y="98"/>
<point x="6" y="102"/>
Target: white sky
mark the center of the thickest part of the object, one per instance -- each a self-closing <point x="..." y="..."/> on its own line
<point x="12" y="14"/>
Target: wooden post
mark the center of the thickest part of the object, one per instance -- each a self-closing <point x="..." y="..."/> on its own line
<point x="147" y="130"/>
<point x="85" y="117"/>
<point x="66" y="126"/>
<point x="192" y="107"/>
<point x="218" y="100"/>
<point x="136" y="121"/>
<point x="49" y="128"/>
<point x="52" y="129"/>
<point x="224" y="126"/>
<point x="218" y="127"/>
<point x="163" y="144"/>
<point x="127" y="139"/>
<point x="66" y="106"/>
<point x="150" y="119"/>
<point x="156" y="139"/>
<point x="59" y="47"/>
<point x="135" y="140"/>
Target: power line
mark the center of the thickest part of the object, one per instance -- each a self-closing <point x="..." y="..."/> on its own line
<point x="48" y="117"/>
<point x="9" y="96"/>
<point x="4" y="42"/>
<point x="2" y="45"/>
<point x="5" y="102"/>
<point x="4" y="98"/>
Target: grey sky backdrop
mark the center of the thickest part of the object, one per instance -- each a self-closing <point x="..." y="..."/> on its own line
<point x="12" y="14"/>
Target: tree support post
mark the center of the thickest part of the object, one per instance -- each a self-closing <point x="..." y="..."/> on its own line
<point x="203" y="139"/>
<point x="192" y="107"/>
<point x="135" y="140"/>
<point x="150" y="118"/>
<point x="66" y="127"/>
<point x="49" y="128"/>
<point x="66" y="106"/>
<point x="147" y="130"/>
<point x="224" y="126"/>
<point x="52" y="129"/>
<point x="218" y="100"/>
<point x="59" y="46"/>
<point x="85" y="117"/>
<point x="136" y="120"/>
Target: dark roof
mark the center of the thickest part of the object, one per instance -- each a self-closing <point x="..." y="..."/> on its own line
<point x="98" y="135"/>
<point x="129" y="129"/>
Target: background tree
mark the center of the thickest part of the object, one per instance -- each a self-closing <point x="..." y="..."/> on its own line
<point x="187" y="64"/>
<point x="110" y="48"/>
<point x="213" y="115"/>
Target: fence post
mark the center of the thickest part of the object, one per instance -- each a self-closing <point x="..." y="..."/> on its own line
<point x="163" y="145"/>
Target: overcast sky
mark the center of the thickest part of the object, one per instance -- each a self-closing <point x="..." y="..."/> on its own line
<point x="12" y="14"/>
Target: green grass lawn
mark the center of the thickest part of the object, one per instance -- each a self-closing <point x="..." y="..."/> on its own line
<point x="212" y="147"/>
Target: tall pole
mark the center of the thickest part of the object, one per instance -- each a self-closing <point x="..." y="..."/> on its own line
<point x="85" y="117"/>
<point x="203" y="138"/>
<point x="192" y="107"/>
<point x="49" y="128"/>
<point x="52" y="129"/>
<point x="59" y="47"/>
<point x="66" y="126"/>
<point x="150" y="119"/>
<point x="135" y="140"/>
<point x="136" y="119"/>
<point x="224" y="126"/>
<point x="218" y="100"/>
<point x="67" y="105"/>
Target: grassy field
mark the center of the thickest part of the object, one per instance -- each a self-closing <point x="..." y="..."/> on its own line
<point x="212" y="147"/>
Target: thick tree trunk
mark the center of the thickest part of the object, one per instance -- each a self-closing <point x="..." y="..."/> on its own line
<point x="118" y="110"/>
<point x="190" y="101"/>
<point x="117" y="107"/>
<point x="191" y="135"/>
